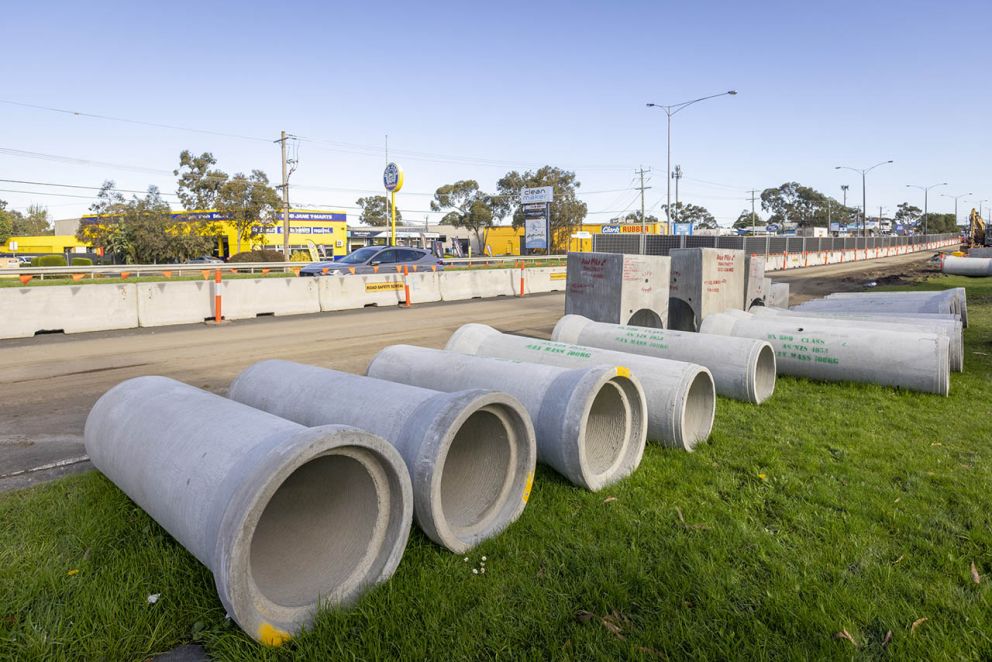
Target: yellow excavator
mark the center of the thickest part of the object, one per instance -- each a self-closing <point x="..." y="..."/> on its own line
<point x="978" y="234"/>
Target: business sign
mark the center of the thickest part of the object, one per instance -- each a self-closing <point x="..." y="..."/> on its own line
<point x="610" y="229"/>
<point x="13" y="245"/>
<point x="294" y="229"/>
<point x="392" y="178"/>
<point x="541" y="194"/>
<point x="536" y="233"/>
<point x="682" y="229"/>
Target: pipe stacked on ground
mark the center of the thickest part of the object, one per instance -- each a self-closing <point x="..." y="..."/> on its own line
<point x="966" y="266"/>
<point x="681" y="397"/>
<point x="590" y="422"/>
<point x="470" y="453"/>
<point x="946" y="302"/>
<point x="942" y="327"/>
<point x="742" y="368"/>
<point x="287" y="518"/>
<point x="910" y="360"/>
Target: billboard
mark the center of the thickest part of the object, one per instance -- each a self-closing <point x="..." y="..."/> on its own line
<point x="535" y="233"/>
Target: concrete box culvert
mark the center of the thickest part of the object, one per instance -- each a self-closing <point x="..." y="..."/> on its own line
<point x="742" y="368"/>
<point x="681" y="400"/>
<point x="590" y="423"/>
<point x="951" y="329"/>
<point x="470" y="453"/>
<point x="910" y="360"/>
<point x="287" y="518"/>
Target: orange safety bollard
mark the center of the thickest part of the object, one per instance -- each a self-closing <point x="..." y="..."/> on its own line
<point x="25" y="279"/>
<point x="125" y="274"/>
<point x="266" y="270"/>
<point x="167" y="274"/>
<point x="78" y="277"/>
<point x="217" y="296"/>
<point x="352" y="270"/>
<point x="206" y="273"/>
<point x="406" y="285"/>
<point x="521" y="277"/>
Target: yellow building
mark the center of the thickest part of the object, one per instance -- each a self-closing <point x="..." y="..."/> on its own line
<point x="507" y="240"/>
<point x="51" y="243"/>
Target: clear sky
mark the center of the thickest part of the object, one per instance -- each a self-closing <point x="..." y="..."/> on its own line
<point x="472" y="90"/>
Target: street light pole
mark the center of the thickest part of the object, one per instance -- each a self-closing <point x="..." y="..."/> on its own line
<point x="955" y="197"/>
<point x="669" y="111"/>
<point x="926" y="192"/>
<point x="864" y="194"/>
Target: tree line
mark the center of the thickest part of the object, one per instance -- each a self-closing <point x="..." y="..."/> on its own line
<point x="17" y="224"/>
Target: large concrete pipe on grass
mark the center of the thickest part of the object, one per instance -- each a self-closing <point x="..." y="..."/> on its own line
<point x="966" y="266"/>
<point x="681" y="397"/>
<point x="914" y="361"/>
<point x="949" y="328"/>
<point x="950" y="301"/>
<point x="470" y="453"/>
<point x="742" y="368"/>
<point x="288" y="518"/>
<point x="590" y="423"/>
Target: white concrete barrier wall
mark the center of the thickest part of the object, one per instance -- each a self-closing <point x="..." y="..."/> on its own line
<point x="182" y="302"/>
<point x="483" y="283"/>
<point x="780" y="261"/>
<point x="543" y="279"/>
<point x="25" y="311"/>
<point x="248" y="298"/>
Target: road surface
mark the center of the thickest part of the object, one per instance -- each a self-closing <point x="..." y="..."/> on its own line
<point x="49" y="383"/>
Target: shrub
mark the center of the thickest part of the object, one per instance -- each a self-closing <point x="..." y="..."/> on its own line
<point x="82" y="262"/>
<point x="257" y="256"/>
<point x="34" y="260"/>
<point x="51" y="261"/>
<point x="299" y="256"/>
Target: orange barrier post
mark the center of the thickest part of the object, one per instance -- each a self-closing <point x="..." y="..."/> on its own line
<point x="25" y="279"/>
<point x="521" y="278"/>
<point x="406" y="285"/>
<point x="217" y="296"/>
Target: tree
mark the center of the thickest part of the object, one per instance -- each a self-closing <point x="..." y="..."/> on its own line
<point x="34" y="223"/>
<point x="375" y="211"/>
<point x="940" y="223"/>
<point x="198" y="183"/>
<point x="634" y="217"/>
<point x="248" y="203"/>
<point x="469" y="207"/>
<point x="805" y="206"/>
<point x="908" y="215"/>
<point x="567" y="211"/>
<point x="142" y="230"/>
<point x="745" y="220"/>
<point x="690" y="213"/>
<point x="7" y="219"/>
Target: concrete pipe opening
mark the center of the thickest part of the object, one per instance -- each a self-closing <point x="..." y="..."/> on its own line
<point x="700" y="405"/>
<point x="612" y="432"/>
<point x="313" y="541"/>
<point x="645" y="317"/>
<point x="764" y="374"/>
<point x="680" y="315"/>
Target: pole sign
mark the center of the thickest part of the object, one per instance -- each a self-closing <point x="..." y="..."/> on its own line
<point x="536" y="203"/>
<point x="392" y="178"/>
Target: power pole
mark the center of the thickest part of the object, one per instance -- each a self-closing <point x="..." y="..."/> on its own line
<point x="843" y="188"/>
<point x="754" y="221"/>
<point x="285" y="198"/>
<point x="642" y="188"/>
<point x="677" y="175"/>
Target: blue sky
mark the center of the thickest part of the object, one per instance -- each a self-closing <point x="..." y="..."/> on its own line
<point x="471" y="90"/>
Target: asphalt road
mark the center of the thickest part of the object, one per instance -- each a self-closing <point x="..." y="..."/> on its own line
<point x="49" y="383"/>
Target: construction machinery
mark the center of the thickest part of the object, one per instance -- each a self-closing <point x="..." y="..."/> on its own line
<point x="978" y="234"/>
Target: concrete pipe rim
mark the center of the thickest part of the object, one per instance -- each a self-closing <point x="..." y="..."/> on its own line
<point x="612" y="427"/>
<point x="508" y="435"/>
<point x="698" y="409"/>
<point x="469" y="337"/>
<point x="763" y="372"/>
<point x="569" y="328"/>
<point x="265" y="543"/>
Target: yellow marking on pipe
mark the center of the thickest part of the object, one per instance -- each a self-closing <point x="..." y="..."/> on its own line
<point x="528" y="486"/>
<point x="272" y="636"/>
<point x="623" y="372"/>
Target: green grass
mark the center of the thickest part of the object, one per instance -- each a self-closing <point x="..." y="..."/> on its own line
<point x="831" y="508"/>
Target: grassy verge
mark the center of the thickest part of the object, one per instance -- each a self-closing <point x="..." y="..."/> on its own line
<point x="833" y="508"/>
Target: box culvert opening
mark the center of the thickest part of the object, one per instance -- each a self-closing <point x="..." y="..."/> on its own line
<point x="647" y="318"/>
<point x="607" y="429"/>
<point x="764" y="374"/>
<point x="315" y="531"/>
<point x="478" y="471"/>
<point x="700" y="401"/>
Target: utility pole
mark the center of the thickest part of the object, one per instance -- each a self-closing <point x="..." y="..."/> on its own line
<point x="285" y="198"/>
<point x="754" y="219"/>
<point x="677" y="175"/>
<point x="643" y="188"/>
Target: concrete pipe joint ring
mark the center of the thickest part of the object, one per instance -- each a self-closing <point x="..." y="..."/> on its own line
<point x="470" y="454"/>
<point x="287" y="518"/>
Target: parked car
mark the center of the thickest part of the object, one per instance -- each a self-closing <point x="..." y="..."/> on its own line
<point x="375" y="259"/>
<point x="205" y="259"/>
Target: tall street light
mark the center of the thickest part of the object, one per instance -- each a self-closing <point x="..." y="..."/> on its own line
<point x="671" y="110"/>
<point x="955" y="197"/>
<point x="926" y="191"/>
<point x="864" y="195"/>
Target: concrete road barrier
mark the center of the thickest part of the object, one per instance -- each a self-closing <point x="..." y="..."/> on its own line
<point x="477" y="284"/>
<point x="543" y="279"/>
<point x="248" y="298"/>
<point x="181" y="302"/>
<point x="25" y="311"/>
<point x="289" y="519"/>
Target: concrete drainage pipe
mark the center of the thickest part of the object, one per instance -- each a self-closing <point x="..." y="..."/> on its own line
<point x="952" y="301"/>
<point x="681" y="397"/>
<point x="742" y="368"/>
<point x="287" y="518"/>
<point x="966" y="266"/>
<point x="949" y="328"/>
<point x="590" y="423"/>
<point x="910" y="360"/>
<point x="470" y="454"/>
